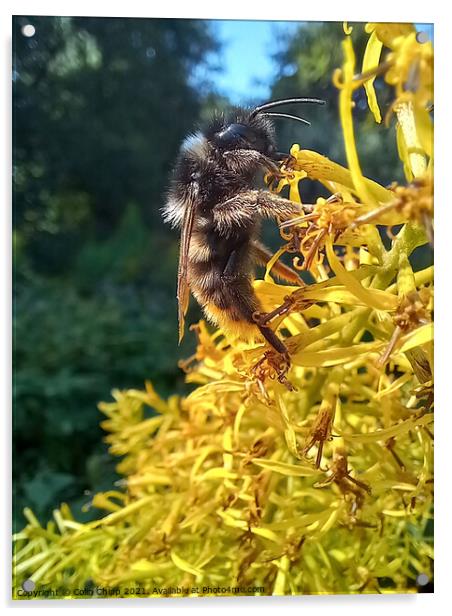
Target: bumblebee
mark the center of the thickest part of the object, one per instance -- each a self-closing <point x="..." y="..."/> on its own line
<point x="212" y="200"/>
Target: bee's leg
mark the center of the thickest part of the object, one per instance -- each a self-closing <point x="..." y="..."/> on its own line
<point x="263" y="318"/>
<point x="263" y="256"/>
<point x="231" y="266"/>
<point x="270" y="205"/>
<point x="243" y="209"/>
<point x="277" y="359"/>
<point x="272" y="167"/>
<point x="273" y="339"/>
<point x="246" y="303"/>
<point x="237" y="159"/>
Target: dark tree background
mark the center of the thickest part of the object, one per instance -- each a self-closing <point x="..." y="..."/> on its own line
<point x="100" y="106"/>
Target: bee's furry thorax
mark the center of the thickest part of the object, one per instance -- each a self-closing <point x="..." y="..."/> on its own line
<point x="205" y="172"/>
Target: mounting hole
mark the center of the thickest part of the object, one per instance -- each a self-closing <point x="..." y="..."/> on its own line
<point x="422" y="37"/>
<point x="28" y="30"/>
<point x="422" y="579"/>
<point x="28" y="585"/>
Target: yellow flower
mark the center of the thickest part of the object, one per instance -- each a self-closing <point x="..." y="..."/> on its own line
<point x="408" y="67"/>
<point x="411" y="68"/>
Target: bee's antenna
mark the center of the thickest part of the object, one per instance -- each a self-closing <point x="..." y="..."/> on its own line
<point x="286" y="115"/>
<point x="285" y="101"/>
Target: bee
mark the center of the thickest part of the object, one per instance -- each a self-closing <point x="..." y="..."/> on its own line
<point x="212" y="200"/>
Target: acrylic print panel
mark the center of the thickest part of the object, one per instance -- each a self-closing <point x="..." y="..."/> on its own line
<point x="285" y="447"/>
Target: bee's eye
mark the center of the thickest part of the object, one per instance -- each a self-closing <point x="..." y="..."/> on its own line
<point x="236" y="135"/>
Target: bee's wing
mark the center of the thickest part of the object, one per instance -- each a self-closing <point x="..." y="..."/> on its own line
<point x="183" y="291"/>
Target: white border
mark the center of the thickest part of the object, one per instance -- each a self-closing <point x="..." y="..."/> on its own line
<point x="328" y="10"/>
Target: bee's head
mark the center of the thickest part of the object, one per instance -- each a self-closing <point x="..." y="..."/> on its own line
<point x="252" y="130"/>
<point x="241" y="132"/>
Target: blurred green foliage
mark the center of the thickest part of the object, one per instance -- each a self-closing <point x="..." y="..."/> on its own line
<point x="100" y="106"/>
<point x="70" y="348"/>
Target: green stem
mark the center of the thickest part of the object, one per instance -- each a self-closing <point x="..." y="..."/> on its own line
<point x="411" y="236"/>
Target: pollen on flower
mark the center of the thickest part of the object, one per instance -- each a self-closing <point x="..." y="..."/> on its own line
<point x="320" y="431"/>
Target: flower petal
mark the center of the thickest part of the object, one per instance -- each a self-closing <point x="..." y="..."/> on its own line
<point x="292" y="470"/>
<point x="380" y="300"/>
<point x="370" y="62"/>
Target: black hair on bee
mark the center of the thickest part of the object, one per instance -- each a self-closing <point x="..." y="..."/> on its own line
<point x="212" y="199"/>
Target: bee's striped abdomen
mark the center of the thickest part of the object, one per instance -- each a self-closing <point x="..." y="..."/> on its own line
<point x="226" y="297"/>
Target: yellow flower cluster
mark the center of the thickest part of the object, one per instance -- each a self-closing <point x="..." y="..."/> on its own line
<point x="317" y="479"/>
